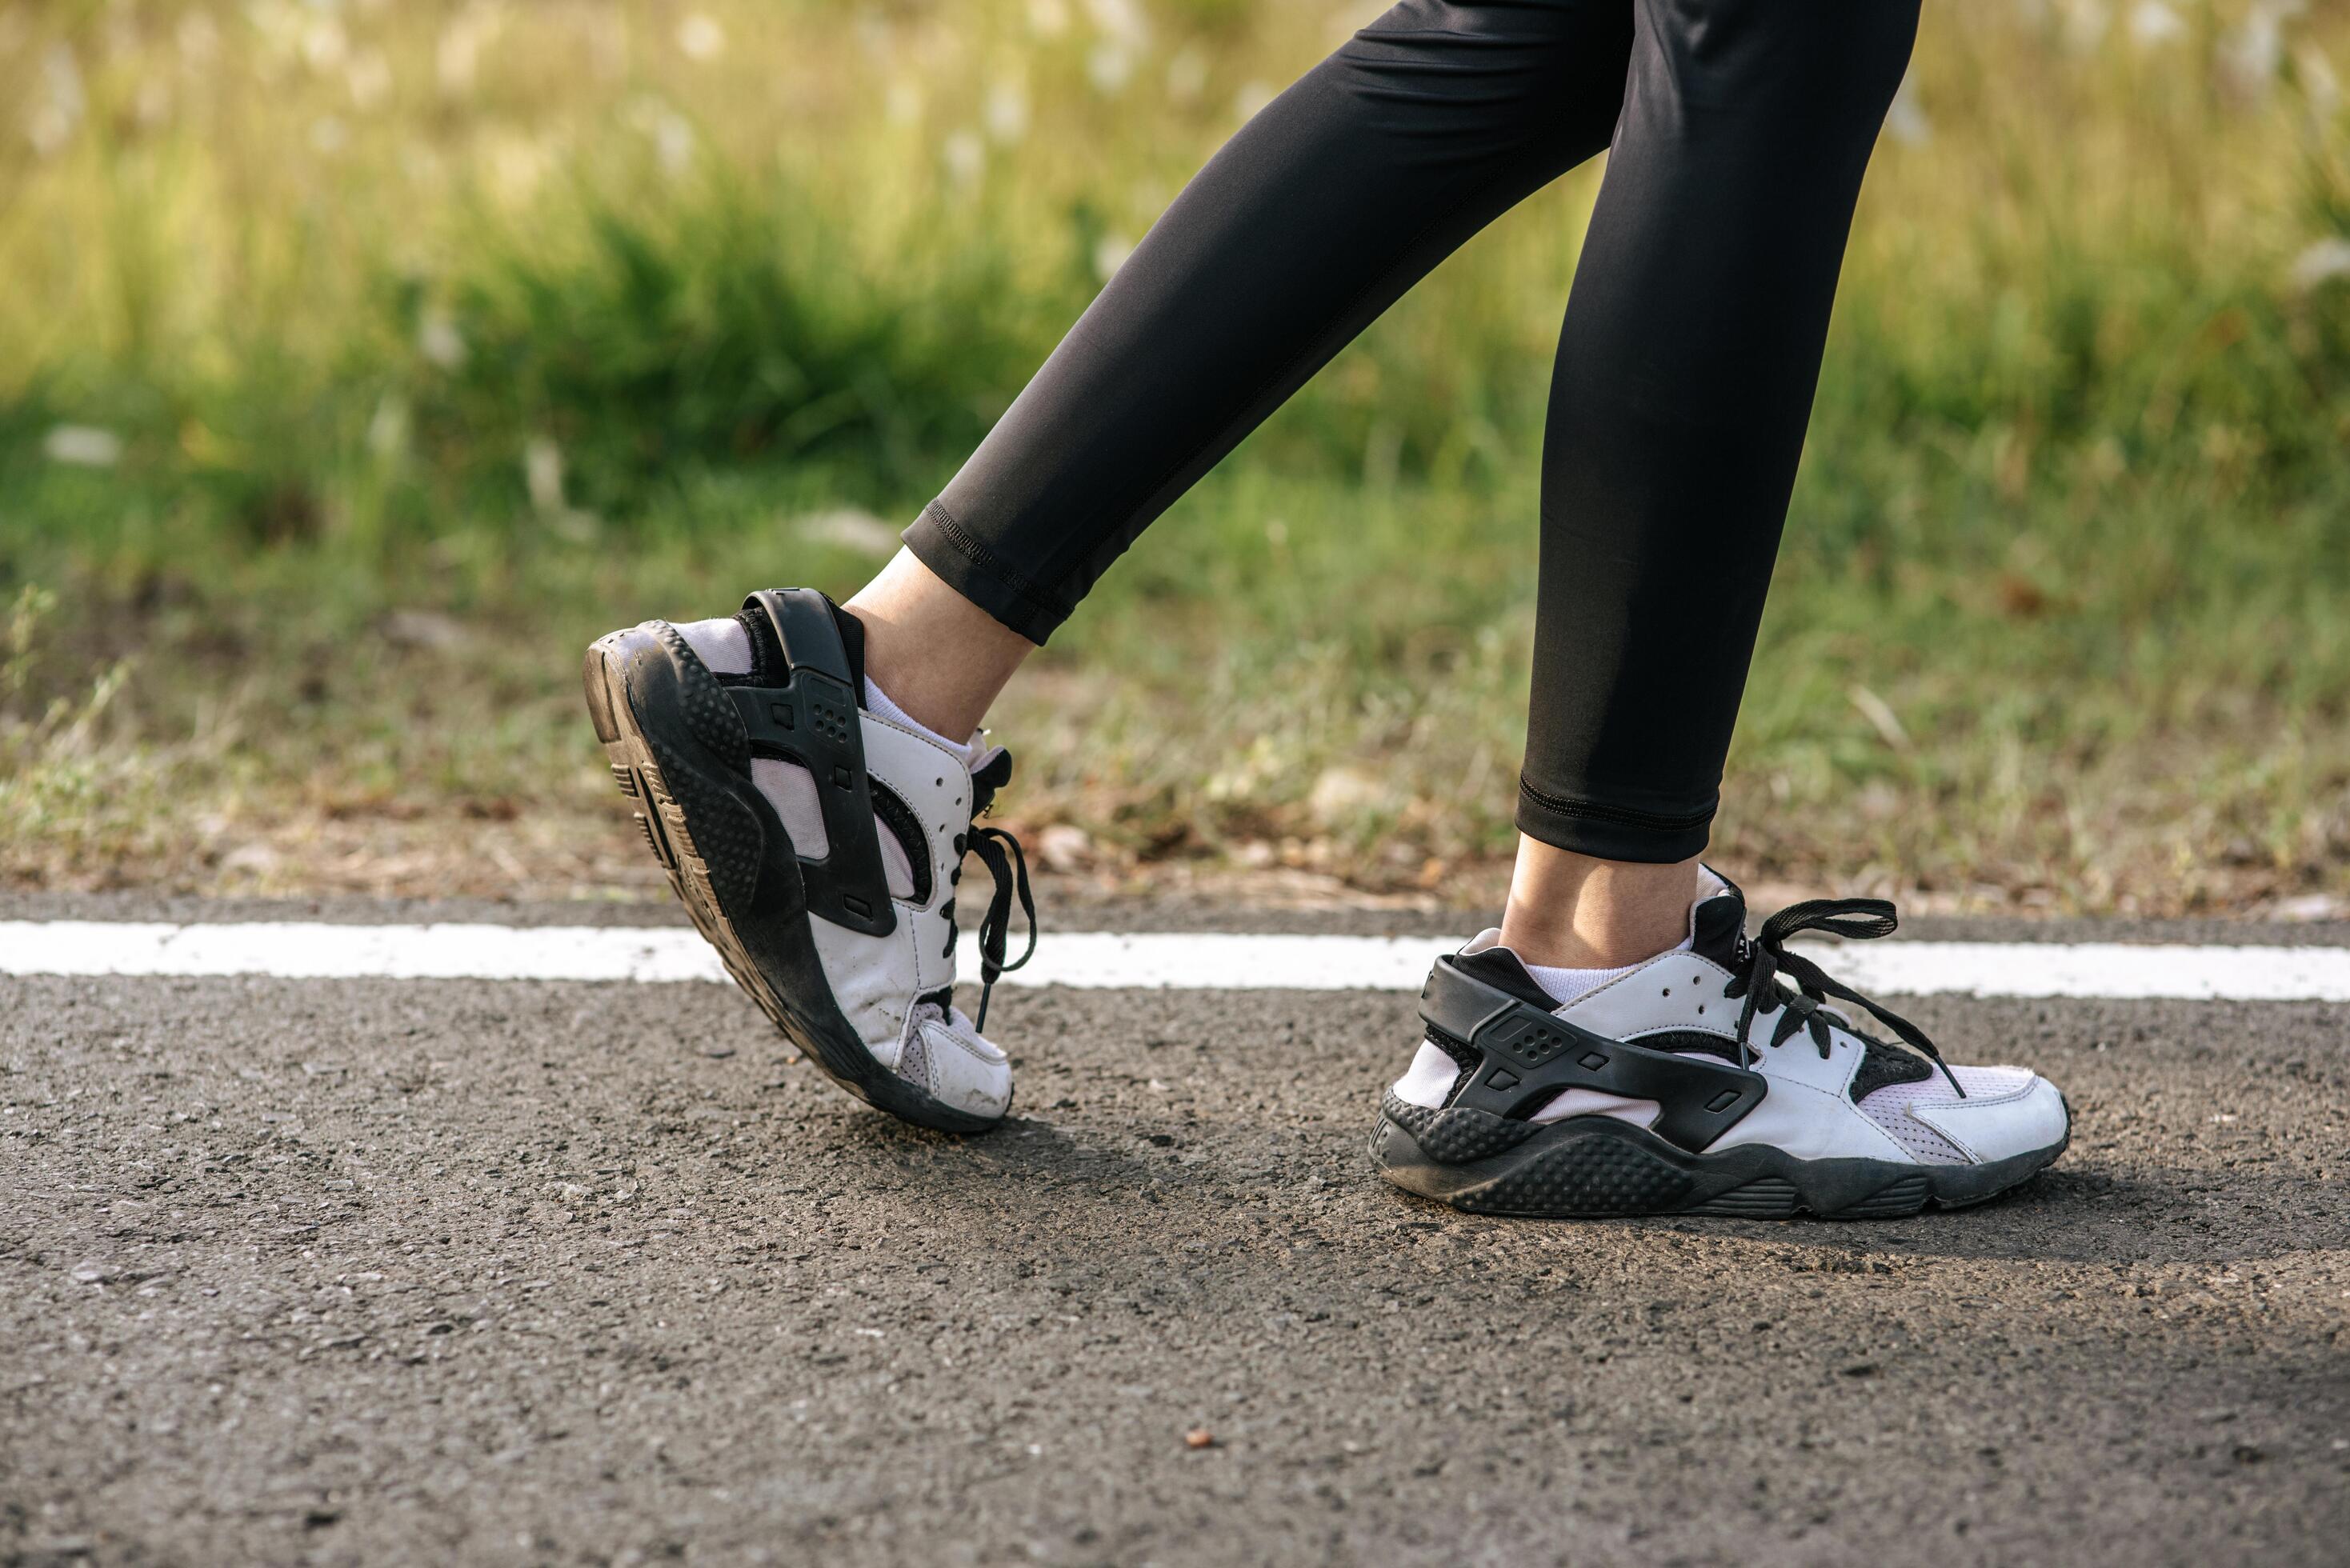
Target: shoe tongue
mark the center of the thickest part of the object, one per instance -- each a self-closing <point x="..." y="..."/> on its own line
<point x="1718" y="925"/>
<point x="991" y="770"/>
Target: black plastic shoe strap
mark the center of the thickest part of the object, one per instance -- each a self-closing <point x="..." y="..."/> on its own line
<point x="811" y="718"/>
<point x="1526" y="1057"/>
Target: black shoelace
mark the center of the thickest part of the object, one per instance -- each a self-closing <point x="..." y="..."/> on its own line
<point x="1001" y="854"/>
<point x="1859" y="919"/>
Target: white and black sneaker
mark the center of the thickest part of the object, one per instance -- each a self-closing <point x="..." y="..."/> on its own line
<point x="818" y="843"/>
<point x="1698" y="1083"/>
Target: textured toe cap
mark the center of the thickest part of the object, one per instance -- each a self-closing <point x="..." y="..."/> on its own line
<point x="964" y="1071"/>
<point x="2024" y="1116"/>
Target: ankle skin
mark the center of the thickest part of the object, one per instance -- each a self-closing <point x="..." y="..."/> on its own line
<point x="1572" y="911"/>
<point x="940" y="658"/>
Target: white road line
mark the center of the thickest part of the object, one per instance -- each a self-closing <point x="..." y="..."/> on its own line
<point x="1095" y="958"/>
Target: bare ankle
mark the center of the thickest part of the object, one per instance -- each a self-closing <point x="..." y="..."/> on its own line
<point x="1575" y="911"/>
<point x="940" y="658"/>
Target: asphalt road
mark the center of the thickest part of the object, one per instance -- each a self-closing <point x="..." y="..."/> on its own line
<point x="401" y="1272"/>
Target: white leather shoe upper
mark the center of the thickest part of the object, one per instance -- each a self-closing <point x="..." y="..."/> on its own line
<point x="1985" y="1127"/>
<point x="878" y="982"/>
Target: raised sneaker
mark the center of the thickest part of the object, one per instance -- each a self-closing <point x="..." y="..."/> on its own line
<point x="818" y="843"/>
<point x="1712" y="1079"/>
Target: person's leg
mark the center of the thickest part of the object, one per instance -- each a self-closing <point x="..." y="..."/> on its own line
<point x="1579" y="911"/>
<point x="1317" y="214"/>
<point x="1686" y="369"/>
<point x="806" y="774"/>
<point x="1620" y="1047"/>
<point x="910" y="615"/>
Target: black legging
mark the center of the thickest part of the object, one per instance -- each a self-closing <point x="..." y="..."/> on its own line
<point x="1740" y="130"/>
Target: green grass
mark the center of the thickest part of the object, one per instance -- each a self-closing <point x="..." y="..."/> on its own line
<point x="417" y="345"/>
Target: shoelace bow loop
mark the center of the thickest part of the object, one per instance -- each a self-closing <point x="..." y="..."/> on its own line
<point x="1768" y="959"/>
<point x="1007" y="867"/>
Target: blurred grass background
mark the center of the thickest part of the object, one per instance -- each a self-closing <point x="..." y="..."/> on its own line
<point x="360" y="361"/>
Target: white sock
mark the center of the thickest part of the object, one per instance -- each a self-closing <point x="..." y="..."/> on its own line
<point x="878" y="703"/>
<point x="1569" y="985"/>
<point x="723" y="646"/>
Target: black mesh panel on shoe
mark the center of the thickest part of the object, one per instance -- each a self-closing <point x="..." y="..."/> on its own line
<point x="1883" y="1064"/>
<point x="1462" y="1056"/>
<point x="899" y="817"/>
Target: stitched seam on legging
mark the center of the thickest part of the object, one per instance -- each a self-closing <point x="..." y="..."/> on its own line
<point x="987" y="560"/>
<point x="1281" y="374"/>
<point x="1477" y="40"/>
<point x="1623" y="816"/>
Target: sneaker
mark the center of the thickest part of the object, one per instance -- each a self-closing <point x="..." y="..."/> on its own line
<point x="817" y="844"/>
<point x="1699" y="1082"/>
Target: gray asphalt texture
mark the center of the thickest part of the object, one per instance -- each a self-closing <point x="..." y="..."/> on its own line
<point x="386" y="1272"/>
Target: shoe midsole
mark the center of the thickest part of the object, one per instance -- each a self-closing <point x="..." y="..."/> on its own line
<point x="1663" y="1178"/>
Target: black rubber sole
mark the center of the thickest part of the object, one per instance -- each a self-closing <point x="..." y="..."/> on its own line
<point x="679" y="749"/>
<point x="1596" y="1166"/>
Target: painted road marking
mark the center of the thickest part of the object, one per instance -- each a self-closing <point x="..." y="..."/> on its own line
<point x="1190" y="962"/>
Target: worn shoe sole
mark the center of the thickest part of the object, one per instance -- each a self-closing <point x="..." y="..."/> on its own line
<point x="1590" y="1167"/>
<point x="679" y="749"/>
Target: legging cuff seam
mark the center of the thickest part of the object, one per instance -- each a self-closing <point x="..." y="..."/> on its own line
<point x="1621" y="816"/>
<point x="973" y="549"/>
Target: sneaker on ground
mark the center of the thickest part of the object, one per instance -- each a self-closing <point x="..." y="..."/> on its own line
<point x="1701" y="1082"/>
<point x="817" y="844"/>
